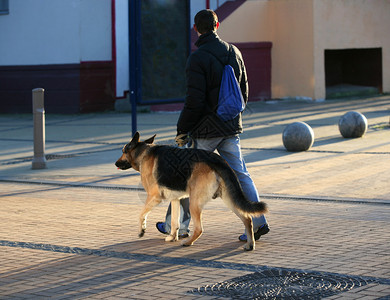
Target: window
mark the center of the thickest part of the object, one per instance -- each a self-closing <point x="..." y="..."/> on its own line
<point x="164" y="48"/>
<point x="4" y="7"/>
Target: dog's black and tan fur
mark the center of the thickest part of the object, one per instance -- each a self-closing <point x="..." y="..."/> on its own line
<point x="170" y="173"/>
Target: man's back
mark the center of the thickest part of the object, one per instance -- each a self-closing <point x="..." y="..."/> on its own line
<point x="204" y="74"/>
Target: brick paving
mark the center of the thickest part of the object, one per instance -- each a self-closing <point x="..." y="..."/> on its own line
<point x="70" y="231"/>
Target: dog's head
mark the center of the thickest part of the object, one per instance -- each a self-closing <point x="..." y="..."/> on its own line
<point x="132" y="151"/>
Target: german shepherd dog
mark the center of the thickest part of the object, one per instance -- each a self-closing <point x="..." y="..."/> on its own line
<point x="170" y="173"/>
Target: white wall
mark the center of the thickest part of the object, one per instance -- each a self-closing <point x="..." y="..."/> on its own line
<point x="95" y="29"/>
<point x="122" y="47"/>
<point x="39" y="32"/>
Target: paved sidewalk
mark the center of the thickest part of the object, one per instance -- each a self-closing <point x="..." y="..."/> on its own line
<point x="70" y="231"/>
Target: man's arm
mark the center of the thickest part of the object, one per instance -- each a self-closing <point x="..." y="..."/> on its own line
<point x="195" y="100"/>
<point x="244" y="81"/>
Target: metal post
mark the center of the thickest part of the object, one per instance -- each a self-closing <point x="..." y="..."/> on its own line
<point x="39" y="160"/>
<point x="135" y="58"/>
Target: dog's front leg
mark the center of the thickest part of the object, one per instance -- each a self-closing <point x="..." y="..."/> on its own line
<point x="196" y="215"/>
<point x="151" y="201"/>
<point x="175" y="220"/>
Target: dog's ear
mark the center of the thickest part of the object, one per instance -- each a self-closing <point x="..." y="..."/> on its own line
<point x="135" y="140"/>
<point x="150" y="140"/>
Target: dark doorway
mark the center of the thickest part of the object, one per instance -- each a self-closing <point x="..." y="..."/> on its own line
<point x="353" y="72"/>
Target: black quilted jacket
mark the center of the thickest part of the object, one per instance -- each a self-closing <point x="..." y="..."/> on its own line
<point x="204" y="75"/>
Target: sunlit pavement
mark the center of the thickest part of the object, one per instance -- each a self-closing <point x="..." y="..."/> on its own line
<point x="70" y="230"/>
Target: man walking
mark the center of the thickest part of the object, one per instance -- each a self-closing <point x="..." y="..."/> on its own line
<point x="199" y="121"/>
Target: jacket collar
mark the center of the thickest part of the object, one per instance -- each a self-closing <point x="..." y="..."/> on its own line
<point x="205" y="38"/>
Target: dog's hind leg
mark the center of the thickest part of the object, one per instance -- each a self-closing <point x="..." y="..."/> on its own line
<point x="247" y="220"/>
<point x="175" y="220"/>
<point x="151" y="202"/>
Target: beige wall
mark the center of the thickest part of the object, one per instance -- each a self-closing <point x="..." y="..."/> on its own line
<point x="301" y="30"/>
<point x="292" y="51"/>
<point x="350" y="24"/>
<point x="288" y="25"/>
<point x="250" y="23"/>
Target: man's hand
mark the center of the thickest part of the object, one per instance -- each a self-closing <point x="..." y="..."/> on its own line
<point x="182" y="139"/>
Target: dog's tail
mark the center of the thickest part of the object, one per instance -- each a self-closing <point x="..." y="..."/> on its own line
<point x="234" y="196"/>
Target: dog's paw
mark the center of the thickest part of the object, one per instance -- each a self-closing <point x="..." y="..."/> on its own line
<point x="186" y="243"/>
<point x="249" y="247"/>
<point x="170" y="238"/>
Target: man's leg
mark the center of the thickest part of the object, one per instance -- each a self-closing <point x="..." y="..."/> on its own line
<point x="230" y="150"/>
<point x="185" y="217"/>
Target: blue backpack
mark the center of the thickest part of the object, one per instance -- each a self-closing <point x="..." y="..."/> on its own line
<point x="230" y="101"/>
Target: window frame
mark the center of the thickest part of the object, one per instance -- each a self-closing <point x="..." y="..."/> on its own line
<point x="4" y="7"/>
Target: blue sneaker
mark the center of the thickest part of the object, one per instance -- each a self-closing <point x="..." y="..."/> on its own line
<point x="161" y="227"/>
<point x="261" y="231"/>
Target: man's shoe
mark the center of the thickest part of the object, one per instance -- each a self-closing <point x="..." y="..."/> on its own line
<point x="183" y="236"/>
<point x="261" y="231"/>
<point x="161" y="227"/>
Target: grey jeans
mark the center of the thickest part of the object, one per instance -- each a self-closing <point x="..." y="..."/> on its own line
<point x="230" y="149"/>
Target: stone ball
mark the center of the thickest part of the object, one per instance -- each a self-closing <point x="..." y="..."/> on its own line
<point x="353" y="125"/>
<point x="298" y="136"/>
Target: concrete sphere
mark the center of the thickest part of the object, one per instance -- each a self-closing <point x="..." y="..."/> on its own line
<point x="353" y="125"/>
<point x="298" y="136"/>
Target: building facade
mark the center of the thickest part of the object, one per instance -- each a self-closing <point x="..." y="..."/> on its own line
<point x="318" y="44"/>
<point x="78" y="50"/>
<point x="65" y="47"/>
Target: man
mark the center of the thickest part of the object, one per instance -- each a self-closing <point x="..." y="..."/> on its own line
<point x="198" y="119"/>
